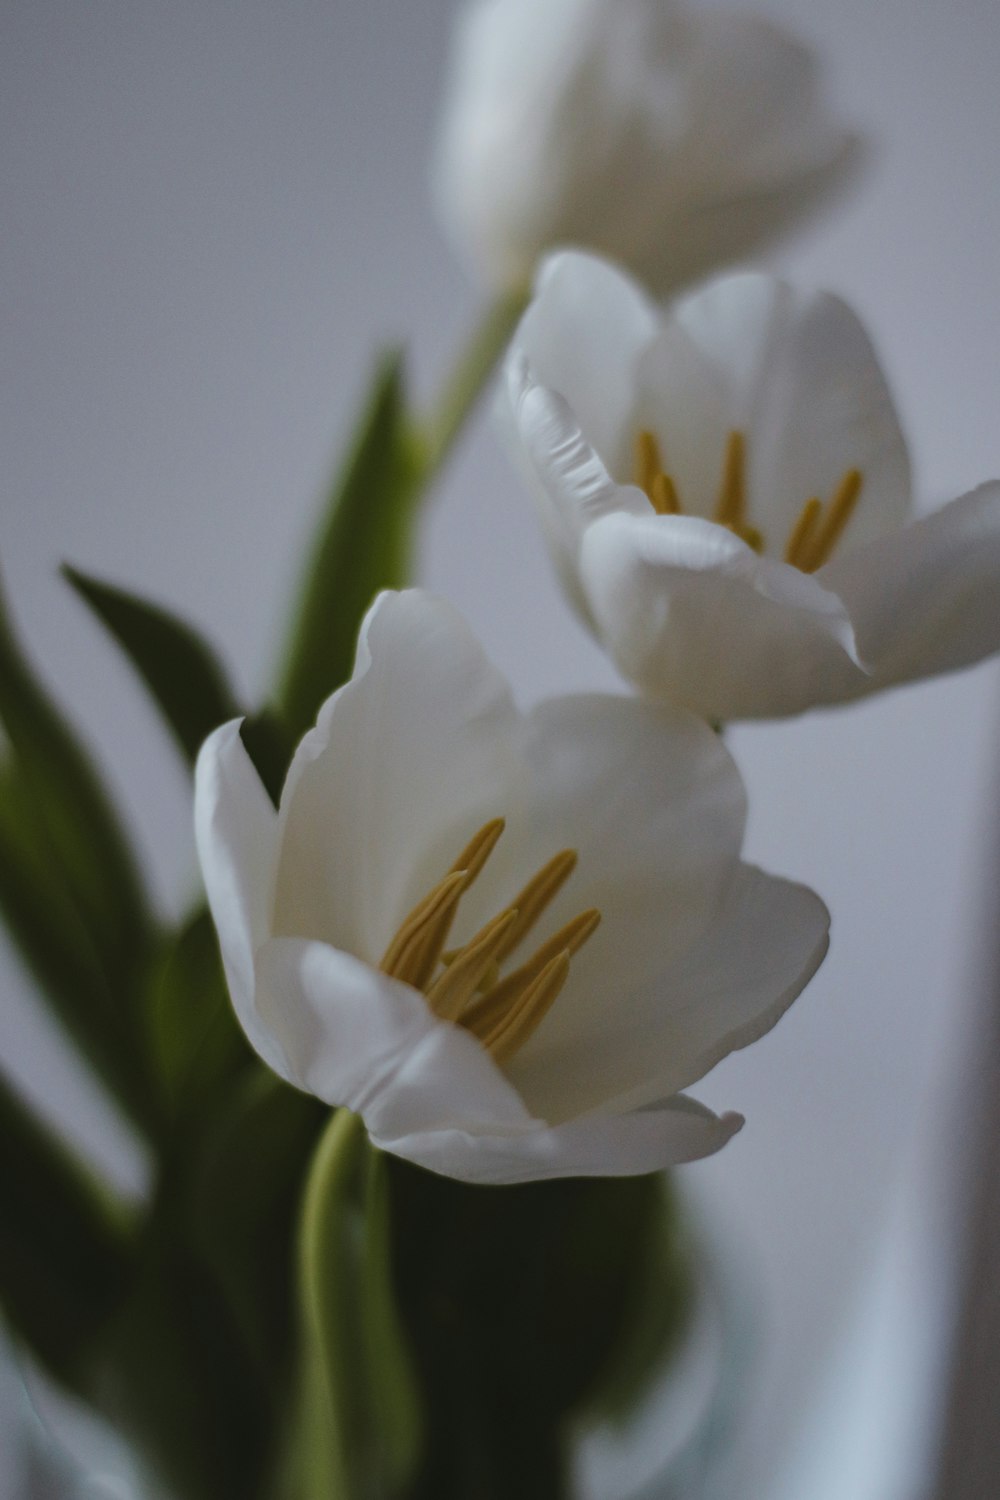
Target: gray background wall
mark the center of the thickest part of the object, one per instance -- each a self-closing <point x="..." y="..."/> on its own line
<point x="213" y="212"/>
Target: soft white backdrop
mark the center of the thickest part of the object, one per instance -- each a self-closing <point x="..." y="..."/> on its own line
<point x="213" y="213"/>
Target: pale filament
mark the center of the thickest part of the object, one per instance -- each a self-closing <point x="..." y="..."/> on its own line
<point x="466" y="985"/>
<point x="813" y="537"/>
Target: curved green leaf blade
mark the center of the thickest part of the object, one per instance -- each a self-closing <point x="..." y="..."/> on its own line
<point x="362" y="546"/>
<point x="57" y="948"/>
<point x="179" y="668"/>
<point x="196" y="1044"/>
<point x="83" y="833"/>
<point x="65" y="1247"/>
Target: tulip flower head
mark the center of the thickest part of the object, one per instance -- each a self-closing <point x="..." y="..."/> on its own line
<point x="674" y="139"/>
<point x="726" y="493"/>
<point x="509" y="942"/>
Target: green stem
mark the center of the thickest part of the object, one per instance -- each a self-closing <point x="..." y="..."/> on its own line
<point x="330" y="1419"/>
<point x="469" y="378"/>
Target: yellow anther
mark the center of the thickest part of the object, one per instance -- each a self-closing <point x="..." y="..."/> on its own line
<point x="812" y="538"/>
<point x="524" y="1019"/>
<point x="507" y="1010"/>
<point x="406" y="954"/>
<point x="801" y="534"/>
<point x="730" y="508"/>
<point x="479" y="848"/>
<point x="839" y="512"/>
<point x="539" y="892"/>
<point x="646" y="461"/>
<point x="454" y="988"/>
<point x="469" y="863"/>
<point x="663" y="496"/>
<point x="488" y="1010"/>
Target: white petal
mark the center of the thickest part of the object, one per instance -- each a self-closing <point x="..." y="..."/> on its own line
<point x="755" y="115"/>
<point x="619" y="124"/>
<point x="794" y="371"/>
<point x="236" y="830"/>
<point x="407" y="760"/>
<point x="746" y="221"/>
<point x="354" y="1037"/>
<point x="652" y="802"/>
<point x="570" y="483"/>
<point x="649" y="1140"/>
<point x="767" y="940"/>
<point x="691" y="614"/>
<point x="557" y="121"/>
<point x="428" y="1092"/>
<point x="927" y="600"/>
<point x="582" y="336"/>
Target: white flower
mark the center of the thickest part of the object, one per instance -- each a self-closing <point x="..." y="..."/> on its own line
<point x="673" y="139"/>
<point x="725" y="490"/>
<point x="333" y="913"/>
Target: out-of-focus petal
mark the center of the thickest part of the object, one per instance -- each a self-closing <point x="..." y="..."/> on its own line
<point x="691" y="614"/>
<point x="927" y="600"/>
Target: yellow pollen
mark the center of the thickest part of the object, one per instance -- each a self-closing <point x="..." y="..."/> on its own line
<point x="469" y="990"/>
<point x="813" y="537"/>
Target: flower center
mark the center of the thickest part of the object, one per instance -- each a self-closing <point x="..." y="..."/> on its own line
<point x="811" y="540"/>
<point x="466" y="985"/>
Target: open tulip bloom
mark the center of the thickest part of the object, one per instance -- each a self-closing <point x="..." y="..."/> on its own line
<point x="508" y="942"/>
<point x="674" y="139"/>
<point x="726" y="492"/>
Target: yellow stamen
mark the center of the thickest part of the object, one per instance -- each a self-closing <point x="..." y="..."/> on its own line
<point x="520" y="1023"/>
<point x="730" y="508"/>
<point x="539" y="892"/>
<point x="404" y="956"/>
<point x="839" y="512"/>
<point x="798" y="542"/>
<point x="811" y="540"/>
<point x="510" y="1009"/>
<point x="663" y="496"/>
<point x="489" y="1009"/>
<point x="452" y="990"/>
<point x="646" y="462"/>
<point x="479" y="848"/>
<point x="470" y="862"/>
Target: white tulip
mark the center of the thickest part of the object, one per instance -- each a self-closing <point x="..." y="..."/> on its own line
<point x="726" y="490"/>
<point x="673" y="139"/>
<point x="526" y="1041"/>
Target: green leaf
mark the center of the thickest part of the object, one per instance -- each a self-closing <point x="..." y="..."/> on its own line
<point x="248" y="1172"/>
<point x="363" y="546"/>
<point x="65" y="1247"/>
<point x="269" y="745"/>
<point x="195" y="1041"/>
<point x="178" y="667"/>
<point x="46" y="926"/>
<point x="174" y="1377"/>
<point x="82" y="833"/>
<point x="358" y="1437"/>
